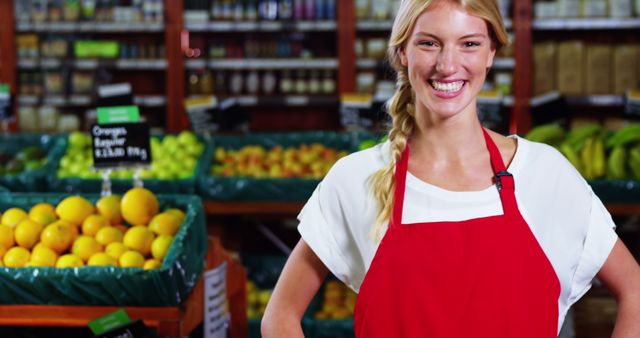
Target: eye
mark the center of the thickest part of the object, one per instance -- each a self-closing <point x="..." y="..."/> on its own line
<point x="472" y="44"/>
<point x="427" y="43"/>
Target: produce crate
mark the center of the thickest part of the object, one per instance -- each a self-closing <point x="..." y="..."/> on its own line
<point x="27" y="181"/>
<point x="617" y="191"/>
<point x="264" y="271"/>
<point x="119" y="186"/>
<point x="168" y="285"/>
<point x="236" y="188"/>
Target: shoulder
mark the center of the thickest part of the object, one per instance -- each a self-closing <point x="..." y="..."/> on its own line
<point x="356" y="168"/>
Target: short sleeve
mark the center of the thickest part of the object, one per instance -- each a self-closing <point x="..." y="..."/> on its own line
<point x="598" y="244"/>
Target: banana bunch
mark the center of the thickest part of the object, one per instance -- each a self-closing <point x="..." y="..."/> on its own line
<point x="551" y="134"/>
<point x="624" y="159"/>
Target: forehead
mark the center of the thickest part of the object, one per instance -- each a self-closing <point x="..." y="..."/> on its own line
<point x="445" y="17"/>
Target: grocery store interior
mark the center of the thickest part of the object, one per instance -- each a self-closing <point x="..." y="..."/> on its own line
<point x="234" y="111"/>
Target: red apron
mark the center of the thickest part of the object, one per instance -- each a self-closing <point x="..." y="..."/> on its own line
<point x="484" y="277"/>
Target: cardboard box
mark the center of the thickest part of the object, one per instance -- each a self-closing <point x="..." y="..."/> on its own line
<point x="598" y="69"/>
<point x="570" y="67"/>
<point x="625" y="68"/>
<point x="544" y="67"/>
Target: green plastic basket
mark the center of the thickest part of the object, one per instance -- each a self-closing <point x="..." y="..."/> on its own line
<point x="617" y="191"/>
<point x="168" y="285"/>
<point x="27" y="181"/>
<point x="269" y="189"/>
<point x="81" y="185"/>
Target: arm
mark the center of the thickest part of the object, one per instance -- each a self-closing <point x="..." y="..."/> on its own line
<point x="621" y="275"/>
<point x="300" y="280"/>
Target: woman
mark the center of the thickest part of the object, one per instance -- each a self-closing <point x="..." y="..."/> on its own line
<point x="450" y="230"/>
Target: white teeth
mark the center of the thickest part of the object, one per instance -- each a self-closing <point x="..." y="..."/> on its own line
<point x="447" y="87"/>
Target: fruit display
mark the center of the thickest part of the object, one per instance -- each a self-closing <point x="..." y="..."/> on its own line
<point x="26" y="159"/>
<point x="172" y="157"/>
<point x="76" y="233"/>
<point x="338" y="302"/>
<point x="595" y="152"/>
<point x="305" y="161"/>
<point x="257" y="300"/>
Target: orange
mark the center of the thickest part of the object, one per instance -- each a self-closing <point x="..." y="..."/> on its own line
<point x="139" y="238"/>
<point x="93" y="223"/>
<point x="131" y="259"/>
<point x="6" y="236"/>
<point x="164" y="224"/>
<point x="85" y="247"/>
<point x="43" y="256"/>
<point x="69" y="261"/>
<point x="16" y="257"/>
<point x="102" y="259"/>
<point x="115" y="249"/>
<point x="109" y="207"/>
<point x="13" y="216"/>
<point x="138" y="206"/>
<point x="27" y="233"/>
<point x="43" y="213"/>
<point x="160" y="246"/>
<point x="108" y="235"/>
<point x="151" y="264"/>
<point x="57" y="236"/>
<point x="74" y="209"/>
<point x="178" y="213"/>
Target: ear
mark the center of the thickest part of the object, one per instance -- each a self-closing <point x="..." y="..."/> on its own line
<point x="403" y="56"/>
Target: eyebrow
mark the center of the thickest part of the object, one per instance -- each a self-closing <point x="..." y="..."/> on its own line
<point x="468" y="36"/>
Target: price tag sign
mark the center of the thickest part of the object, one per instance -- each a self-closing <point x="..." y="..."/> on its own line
<point x="352" y="107"/>
<point x="119" y="145"/>
<point x="5" y="101"/>
<point x="121" y="114"/>
<point x="135" y="329"/>
<point x="632" y="102"/>
<point x="109" y="321"/>
<point x="216" y="314"/>
<point x="201" y="111"/>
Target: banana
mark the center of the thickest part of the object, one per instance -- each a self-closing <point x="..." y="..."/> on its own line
<point x="634" y="162"/>
<point x="572" y="156"/>
<point x="616" y="164"/>
<point x="576" y="136"/>
<point x="599" y="164"/>
<point x="627" y="135"/>
<point x="550" y="133"/>
<point x="586" y="156"/>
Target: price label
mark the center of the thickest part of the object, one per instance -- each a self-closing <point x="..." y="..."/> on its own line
<point x="135" y="329"/>
<point x="120" y="145"/>
<point x="632" y="102"/>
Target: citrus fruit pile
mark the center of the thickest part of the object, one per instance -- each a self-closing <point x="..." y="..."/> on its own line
<point x="76" y="233"/>
<point x="338" y="302"/>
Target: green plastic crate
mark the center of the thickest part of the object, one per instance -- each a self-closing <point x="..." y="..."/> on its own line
<point x="168" y="285"/>
<point x="270" y="189"/>
<point x="27" y="181"/>
<point x="119" y="186"/>
<point x="617" y="191"/>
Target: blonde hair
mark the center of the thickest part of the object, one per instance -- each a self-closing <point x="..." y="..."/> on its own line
<point x="401" y="107"/>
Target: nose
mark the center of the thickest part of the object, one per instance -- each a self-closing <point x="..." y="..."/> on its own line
<point x="446" y="62"/>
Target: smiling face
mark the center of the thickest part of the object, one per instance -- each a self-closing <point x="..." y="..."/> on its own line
<point x="447" y="56"/>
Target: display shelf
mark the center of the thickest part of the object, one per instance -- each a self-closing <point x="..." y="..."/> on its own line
<point x="386" y="25"/>
<point x="79" y="100"/>
<point x="252" y="208"/>
<point x="261" y="26"/>
<point x="586" y="23"/>
<point x="503" y="64"/>
<point x="244" y="64"/>
<point x="285" y="101"/>
<point x="89" y="27"/>
<point x="90" y="64"/>
<point x="498" y="63"/>
<point x="595" y="100"/>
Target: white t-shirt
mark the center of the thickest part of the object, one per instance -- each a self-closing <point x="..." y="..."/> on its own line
<point x="569" y="221"/>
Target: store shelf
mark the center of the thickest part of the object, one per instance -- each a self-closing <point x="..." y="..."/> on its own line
<point x="595" y="100"/>
<point x="586" y="23"/>
<point x="504" y="64"/>
<point x="260" y="26"/>
<point x="89" y="64"/>
<point x="283" y="101"/>
<point x="244" y="64"/>
<point x="386" y="25"/>
<point x="78" y="100"/>
<point x="369" y="63"/>
<point x="90" y="27"/>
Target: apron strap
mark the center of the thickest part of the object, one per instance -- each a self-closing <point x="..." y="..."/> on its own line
<point x="503" y="178"/>
<point x="400" y="181"/>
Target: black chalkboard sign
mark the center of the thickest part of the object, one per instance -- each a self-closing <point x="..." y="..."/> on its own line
<point x="120" y="145"/>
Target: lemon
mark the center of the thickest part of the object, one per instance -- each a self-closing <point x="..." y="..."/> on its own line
<point x="138" y="206"/>
<point x="139" y="238"/>
<point x="164" y="224"/>
<point x="3" y="250"/>
<point x="93" y="223"/>
<point x="27" y="233"/>
<point x="108" y="235"/>
<point x="43" y="256"/>
<point x="160" y="246"/>
<point x="57" y="236"/>
<point x="13" y="216"/>
<point x="43" y="213"/>
<point x="131" y="259"/>
<point x="69" y="261"/>
<point x="85" y="247"/>
<point x="109" y="207"/>
<point x="115" y="249"/>
<point x="102" y="259"/>
<point x="178" y="213"/>
<point x="74" y="209"/>
<point x="16" y="257"/>
<point x="151" y="264"/>
<point x="6" y="236"/>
